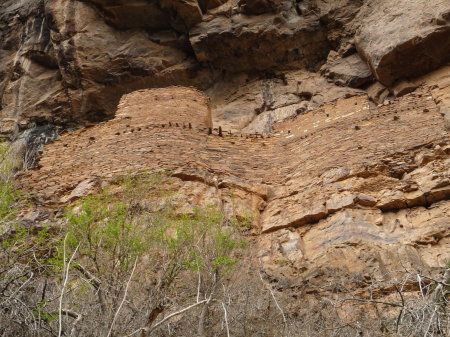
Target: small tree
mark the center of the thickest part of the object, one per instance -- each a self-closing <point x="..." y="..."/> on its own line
<point x="135" y="258"/>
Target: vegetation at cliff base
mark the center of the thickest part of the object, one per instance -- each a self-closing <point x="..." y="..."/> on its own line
<point x="8" y="195"/>
<point x="129" y="261"/>
<point x="116" y="254"/>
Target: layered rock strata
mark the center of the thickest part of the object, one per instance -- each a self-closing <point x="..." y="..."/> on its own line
<point x="68" y="62"/>
<point x="348" y="185"/>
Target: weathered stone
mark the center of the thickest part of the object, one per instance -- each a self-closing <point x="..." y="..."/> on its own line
<point x="365" y="200"/>
<point x="255" y="105"/>
<point x="377" y="92"/>
<point x="188" y="10"/>
<point x="340" y="201"/>
<point x="445" y="112"/>
<point x="296" y="216"/>
<point x="290" y="245"/>
<point x="256" y="7"/>
<point x="399" y="38"/>
<point x="249" y="43"/>
<point x="403" y="87"/>
<point x="85" y="188"/>
<point x="283" y="181"/>
<point x="8" y="127"/>
<point x="67" y="61"/>
<point x="350" y="71"/>
<point x="210" y="4"/>
<point x="126" y="14"/>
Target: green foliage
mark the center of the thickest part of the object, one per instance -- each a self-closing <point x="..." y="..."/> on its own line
<point x="104" y="229"/>
<point x="112" y="231"/>
<point x="34" y="245"/>
<point x="40" y="313"/>
<point x="8" y="195"/>
<point x="130" y="234"/>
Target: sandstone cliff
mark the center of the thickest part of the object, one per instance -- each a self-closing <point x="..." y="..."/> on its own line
<point x="324" y="122"/>
<point x="68" y="62"/>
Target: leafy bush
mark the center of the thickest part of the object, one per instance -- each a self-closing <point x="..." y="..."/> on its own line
<point x="112" y="229"/>
<point x="131" y="229"/>
<point x="8" y="195"/>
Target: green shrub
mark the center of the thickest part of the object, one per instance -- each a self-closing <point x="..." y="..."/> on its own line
<point x="8" y="195"/>
<point x="129" y="242"/>
<point x="113" y="234"/>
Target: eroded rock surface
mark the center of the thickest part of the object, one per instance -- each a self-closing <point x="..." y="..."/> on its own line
<point x="350" y="71"/>
<point x="259" y="43"/>
<point x="347" y="185"/>
<point x="68" y="62"/>
<point x="403" y="38"/>
<point x="335" y="184"/>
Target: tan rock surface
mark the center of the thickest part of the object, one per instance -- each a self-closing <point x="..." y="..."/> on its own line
<point x="65" y="62"/>
<point x="335" y="181"/>
<point x="347" y="186"/>
<point x="403" y="38"/>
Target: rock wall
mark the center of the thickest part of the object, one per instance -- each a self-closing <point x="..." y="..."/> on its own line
<point x="354" y="191"/>
<point x="307" y="115"/>
<point x="68" y="62"/>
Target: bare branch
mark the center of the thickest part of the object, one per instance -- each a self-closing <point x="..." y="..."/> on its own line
<point x="66" y="278"/>
<point x="14" y="293"/>
<point x="148" y="329"/>
<point x="123" y="299"/>
<point x="179" y="312"/>
<point x="371" y="301"/>
<point x="274" y="299"/>
<point x="226" y="319"/>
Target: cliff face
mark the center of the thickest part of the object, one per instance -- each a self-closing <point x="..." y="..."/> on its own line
<point x="62" y="61"/>
<point x="347" y="188"/>
<point x="324" y="121"/>
<point x="70" y="61"/>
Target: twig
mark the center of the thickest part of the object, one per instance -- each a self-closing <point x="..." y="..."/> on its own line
<point x="179" y="312"/>
<point x="226" y="319"/>
<point x="275" y="300"/>
<point x="91" y="278"/>
<point x="14" y="293"/>
<point x="95" y="282"/>
<point x="371" y="301"/>
<point x="123" y="299"/>
<point x="420" y="286"/>
<point x="199" y="284"/>
<point x="66" y="278"/>
<point x="399" y="318"/>
<point x="146" y="329"/>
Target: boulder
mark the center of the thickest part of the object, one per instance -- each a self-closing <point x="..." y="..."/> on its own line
<point x="337" y="16"/>
<point x="154" y="15"/>
<point x="84" y="188"/>
<point x="403" y="38"/>
<point x="350" y="71"/>
<point x="126" y="14"/>
<point x="444" y="110"/>
<point x="249" y="43"/>
<point x="188" y="10"/>
<point x="377" y="92"/>
<point x="210" y="4"/>
<point x="256" y="7"/>
<point x="403" y="87"/>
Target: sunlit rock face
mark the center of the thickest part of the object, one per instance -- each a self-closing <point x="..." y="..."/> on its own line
<point x="343" y="189"/>
<point x="308" y="115"/>
<point x="403" y="38"/>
